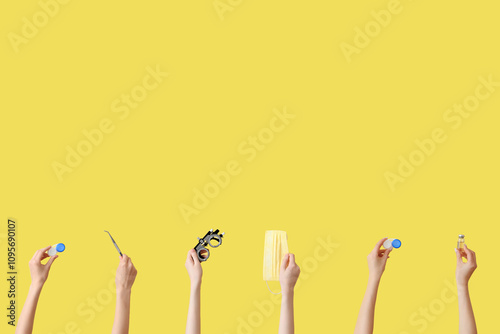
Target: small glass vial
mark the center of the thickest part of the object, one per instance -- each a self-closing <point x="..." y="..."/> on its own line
<point x="57" y="248"/>
<point x="395" y="243"/>
<point x="460" y="244"/>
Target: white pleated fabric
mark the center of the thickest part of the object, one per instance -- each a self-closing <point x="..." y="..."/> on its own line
<point x="275" y="247"/>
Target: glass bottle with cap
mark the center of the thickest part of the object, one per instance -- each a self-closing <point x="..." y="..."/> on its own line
<point x="57" y="248"/>
<point x="395" y="243"/>
<point x="460" y="244"/>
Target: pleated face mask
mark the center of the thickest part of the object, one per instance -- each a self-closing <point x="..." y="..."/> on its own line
<point x="275" y="247"/>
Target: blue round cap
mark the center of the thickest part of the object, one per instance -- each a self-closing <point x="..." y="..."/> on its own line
<point x="60" y="248"/>
<point x="396" y="243"/>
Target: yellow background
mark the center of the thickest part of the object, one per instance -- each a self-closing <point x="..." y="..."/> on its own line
<point x="321" y="176"/>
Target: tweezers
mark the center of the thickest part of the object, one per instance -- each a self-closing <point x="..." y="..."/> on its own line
<point x="117" y="248"/>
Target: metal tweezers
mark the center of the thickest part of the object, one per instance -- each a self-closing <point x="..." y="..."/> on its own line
<point x="117" y="248"/>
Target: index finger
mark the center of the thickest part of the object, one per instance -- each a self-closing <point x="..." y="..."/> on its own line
<point x="468" y="253"/>
<point x="471" y="256"/>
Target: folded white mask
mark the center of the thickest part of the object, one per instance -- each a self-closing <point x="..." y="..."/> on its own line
<point x="275" y="247"/>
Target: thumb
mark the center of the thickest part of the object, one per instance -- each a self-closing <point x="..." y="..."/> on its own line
<point x="459" y="256"/>
<point x="51" y="260"/>
<point x="194" y="257"/>
<point x="284" y="261"/>
<point x="189" y="256"/>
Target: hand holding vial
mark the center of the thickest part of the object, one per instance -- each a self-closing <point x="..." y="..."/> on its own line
<point x="465" y="269"/>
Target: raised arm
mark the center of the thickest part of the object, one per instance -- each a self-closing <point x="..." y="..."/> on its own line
<point x="195" y="272"/>
<point x="39" y="274"/>
<point x="289" y="273"/>
<point x="466" y="322"/>
<point x="377" y="260"/>
<point x="125" y="277"/>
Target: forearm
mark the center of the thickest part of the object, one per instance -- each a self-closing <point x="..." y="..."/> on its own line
<point x="286" y="316"/>
<point x="122" y="312"/>
<point x="364" y="324"/>
<point x="193" y="325"/>
<point x="27" y="317"/>
<point x="467" y="322"/>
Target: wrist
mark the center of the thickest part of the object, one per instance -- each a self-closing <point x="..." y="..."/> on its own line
<point x="123" y="291"/>
<point x="196" y="285"/>
<point x="374" y="278"/>
<point x="287" y="295"/>
<point x="36" y="286"/>
<point x="287" y="289"/>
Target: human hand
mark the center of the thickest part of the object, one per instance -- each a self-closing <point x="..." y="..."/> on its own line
<point x="40" y="272"/>
<point x="377" y="259"/>
<point x="465" y="269"/>
<point x="289" y="272"/>
<point x="125" y="274"/>
<point x="193" y="267"/>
